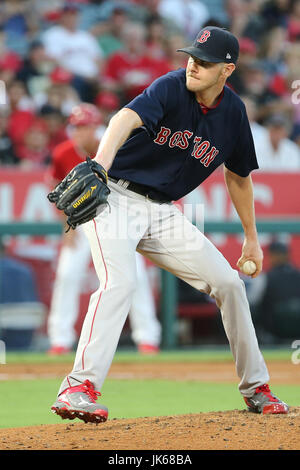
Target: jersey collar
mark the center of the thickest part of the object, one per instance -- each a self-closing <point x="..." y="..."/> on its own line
<point x="205" y="109"/>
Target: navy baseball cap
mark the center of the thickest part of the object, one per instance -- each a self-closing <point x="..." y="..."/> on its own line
<point x="214" y="44"/>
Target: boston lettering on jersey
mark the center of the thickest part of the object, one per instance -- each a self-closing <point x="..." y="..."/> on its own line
<point x="178" y="138"/>
<point x="181" y="139"/>
<point x="180" y="145"/>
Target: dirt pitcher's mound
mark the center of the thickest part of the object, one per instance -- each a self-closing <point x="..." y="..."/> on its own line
<point x="232" y="430"/>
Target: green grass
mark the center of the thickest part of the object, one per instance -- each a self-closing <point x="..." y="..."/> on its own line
<point x="28" y="402"/>
<point x="193" y="355"/>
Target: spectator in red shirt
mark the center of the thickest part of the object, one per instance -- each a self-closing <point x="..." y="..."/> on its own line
<point x="10" y="64"/>
<point x="35" y="152"/>
<point x="85" y="119"/>
<point x="294" y="21"/>
<point x="22" y="112"/>
<point x="131" y="70"/>
<point x="56" y="125"/>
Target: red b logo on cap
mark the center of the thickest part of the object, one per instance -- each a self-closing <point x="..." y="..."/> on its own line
<point x="204" y="36"/>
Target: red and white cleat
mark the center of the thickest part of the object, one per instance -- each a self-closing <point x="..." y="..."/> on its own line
<point x="80" y="402"/>
<point x="263" y="401"/>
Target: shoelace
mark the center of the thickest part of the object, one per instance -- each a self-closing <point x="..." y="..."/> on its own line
<point x="265" y="389"/>
<point x="90" y="391"/>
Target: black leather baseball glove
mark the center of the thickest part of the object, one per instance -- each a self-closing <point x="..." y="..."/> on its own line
<point x="81" y="192"/>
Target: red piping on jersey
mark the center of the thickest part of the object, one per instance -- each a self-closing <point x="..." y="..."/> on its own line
<point x="205" y="109"/>
<point x="94" y="316"/>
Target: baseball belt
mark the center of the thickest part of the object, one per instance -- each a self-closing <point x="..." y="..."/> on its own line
<point x="140" y="189"/>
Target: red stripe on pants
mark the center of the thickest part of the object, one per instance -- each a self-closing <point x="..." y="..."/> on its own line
<point x="94" y="315"/>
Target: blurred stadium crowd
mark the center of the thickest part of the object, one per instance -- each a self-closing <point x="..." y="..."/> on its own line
<point x="56" y="54"/>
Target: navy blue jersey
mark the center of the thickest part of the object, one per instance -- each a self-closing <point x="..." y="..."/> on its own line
<point x="179" y="145"/>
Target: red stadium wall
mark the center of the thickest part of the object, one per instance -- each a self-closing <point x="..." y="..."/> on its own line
<point x="23" y="198"/>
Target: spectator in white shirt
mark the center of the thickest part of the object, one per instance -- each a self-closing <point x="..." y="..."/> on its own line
<point x="188" y="15"/>
<point x="258" y="131"/>
<point x="275" y="151"/>
<point x="75" y="50"/>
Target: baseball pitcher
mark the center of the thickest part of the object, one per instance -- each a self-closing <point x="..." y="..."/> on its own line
<point x="158" y="148"/>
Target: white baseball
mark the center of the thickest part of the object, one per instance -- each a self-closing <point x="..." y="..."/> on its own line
<point x="249" y="267"/>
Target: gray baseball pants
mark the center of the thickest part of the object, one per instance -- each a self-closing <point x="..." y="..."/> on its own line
<point x="165" y="235"/>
